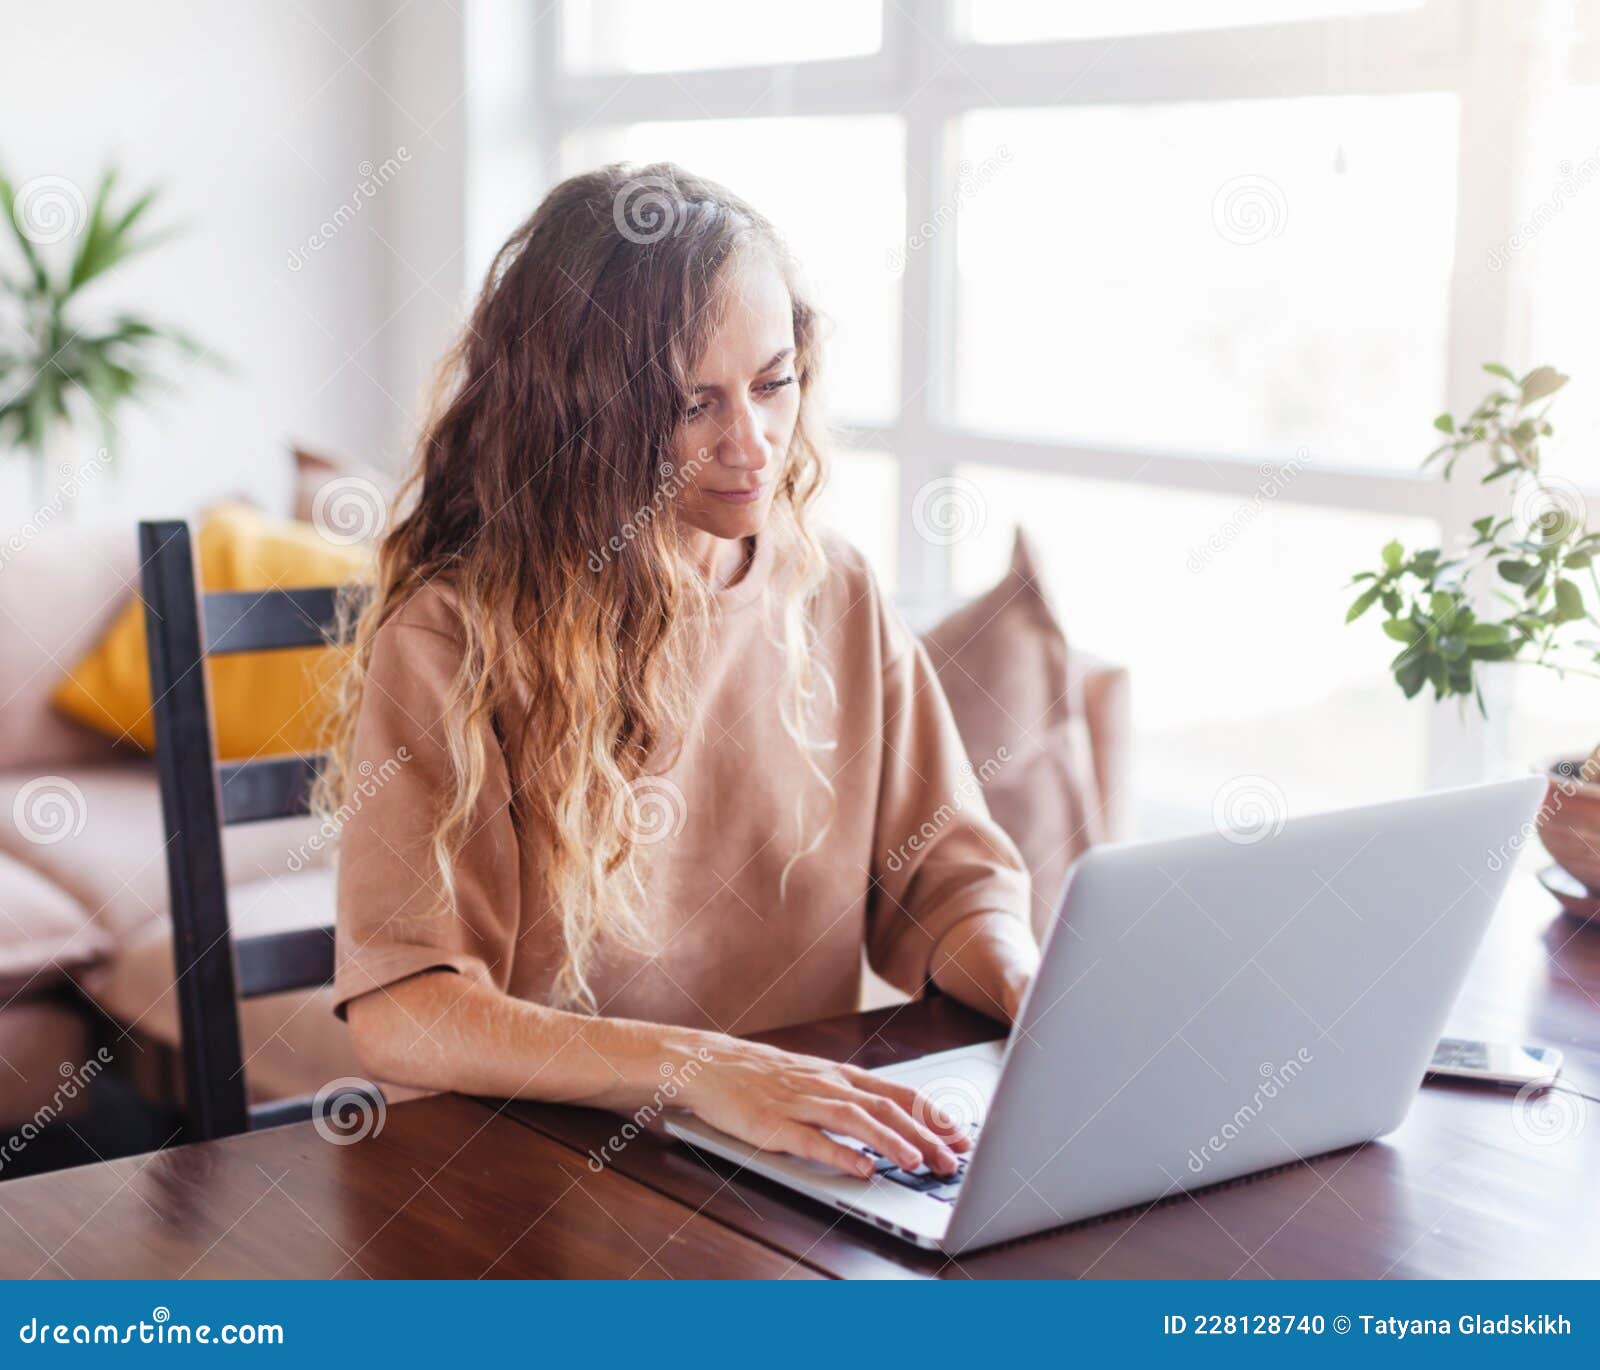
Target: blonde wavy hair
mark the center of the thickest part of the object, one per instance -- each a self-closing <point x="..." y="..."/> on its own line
<point x="553" y="430"/>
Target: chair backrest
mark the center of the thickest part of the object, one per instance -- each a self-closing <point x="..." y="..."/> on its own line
<point x="183" y="626"/>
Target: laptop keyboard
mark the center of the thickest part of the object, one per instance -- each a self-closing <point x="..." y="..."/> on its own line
<point x="922" y="1180"/>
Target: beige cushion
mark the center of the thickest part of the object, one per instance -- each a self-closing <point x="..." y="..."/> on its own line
<point x="292" y="1042"/>
<point x="1045" y="728"/>
<point x="59" y="591"/>
<point x="115" y="865"/>
<point x="44" y="932"/>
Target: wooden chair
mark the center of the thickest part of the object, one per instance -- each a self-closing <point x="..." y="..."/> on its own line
<point x="199" y="797"/>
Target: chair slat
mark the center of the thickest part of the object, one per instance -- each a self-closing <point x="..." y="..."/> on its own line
<point x="213" y="1059"/>
<point x="279" y="961"/>
<point x="269" y="620"/>
<point x="272" y="787"/>
<point x="352" y="1105"/>
<point x="281" y="1112"/>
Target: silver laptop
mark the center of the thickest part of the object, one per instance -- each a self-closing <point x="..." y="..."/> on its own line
<point x="1206" y="1007"/>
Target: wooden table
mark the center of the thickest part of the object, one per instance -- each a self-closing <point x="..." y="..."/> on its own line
<point x="1467" y="1188"/>
<point x="1459" y="1191"/>
<point x="447" y="1187"/>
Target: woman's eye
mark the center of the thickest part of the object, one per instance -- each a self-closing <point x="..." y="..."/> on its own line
<point x="693" y="412"/>
<point x="772" y="387"/>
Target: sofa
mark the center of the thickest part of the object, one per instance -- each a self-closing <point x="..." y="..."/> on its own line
<point x="85" y="940"/>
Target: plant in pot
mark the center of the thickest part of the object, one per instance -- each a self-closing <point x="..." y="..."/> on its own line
<point x="64" y="363"/>
<point x="1538" y="552"/>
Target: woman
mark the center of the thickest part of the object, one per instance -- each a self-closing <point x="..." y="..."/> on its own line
<point x="667" y="761"/>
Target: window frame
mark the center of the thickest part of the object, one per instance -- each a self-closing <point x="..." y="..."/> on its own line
<point x="1497" y="59"/>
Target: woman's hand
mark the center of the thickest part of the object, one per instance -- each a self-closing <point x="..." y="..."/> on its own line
<point x="780" y="1101"/>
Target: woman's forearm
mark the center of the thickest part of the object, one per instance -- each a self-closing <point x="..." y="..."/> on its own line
<point x="440" y="1030"/>
<point x="986" y="962"/>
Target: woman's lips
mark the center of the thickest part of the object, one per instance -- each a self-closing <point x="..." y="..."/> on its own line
<point x="738" y="496"/>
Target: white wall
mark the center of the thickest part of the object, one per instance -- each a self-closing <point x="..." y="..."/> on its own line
<point x="261" y="119"/>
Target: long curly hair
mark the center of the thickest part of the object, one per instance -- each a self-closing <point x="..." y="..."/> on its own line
<point x="541" y="501"/>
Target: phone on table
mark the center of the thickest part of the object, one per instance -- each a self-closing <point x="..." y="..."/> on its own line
<point x="1499" y="1063"/>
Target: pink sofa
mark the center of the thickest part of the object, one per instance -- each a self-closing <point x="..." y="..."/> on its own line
<point x="85" y="942"/>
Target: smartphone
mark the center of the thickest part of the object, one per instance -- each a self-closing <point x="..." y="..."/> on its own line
<point x="1497" y="1063"/>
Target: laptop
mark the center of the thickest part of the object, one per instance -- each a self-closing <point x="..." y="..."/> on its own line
<point x="1206" y="1007"/>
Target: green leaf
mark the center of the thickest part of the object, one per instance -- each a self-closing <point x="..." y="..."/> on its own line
<point x="1578" y="560"/>
<point x="1445" y="424"/>
<point x="1410" y="674"/>
<point x="1541" y="381"/>
<point x="1393" y="554"/>
<point x="1569" y="601"/>
<point x="1517" y="572"/>
<point x="1495" y="369"/>
<point x="1487" y="634"/>
<point x="1362" y="604"/>
<point x="36" y="267"/>
<point x="1391" y="602"/>
<point x="1402" y="629"/>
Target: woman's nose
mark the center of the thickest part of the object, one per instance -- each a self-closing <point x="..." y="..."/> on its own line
<point x="744" y="445"/>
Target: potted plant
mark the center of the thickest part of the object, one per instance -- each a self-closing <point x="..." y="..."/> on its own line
<point x="1539" y="553"/>
<point x="61" y="366"/>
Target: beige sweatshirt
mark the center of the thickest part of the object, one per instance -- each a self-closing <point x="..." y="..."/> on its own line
<point x="910" y="852"/>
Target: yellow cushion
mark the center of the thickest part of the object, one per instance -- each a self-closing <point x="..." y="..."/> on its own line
<point x="261" y="702"/>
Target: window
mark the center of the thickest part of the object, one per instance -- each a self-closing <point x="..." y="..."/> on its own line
<point x="846" y="255"/>
<point x="1028" y="21"/>
<point x="1234" y="612"/>
<point x="1108" y="268"/>
<point x="646" y="35"/>
<point x="1235" y="276"/>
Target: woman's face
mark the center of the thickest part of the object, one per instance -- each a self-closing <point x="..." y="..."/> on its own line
<point x="744" y="401"/>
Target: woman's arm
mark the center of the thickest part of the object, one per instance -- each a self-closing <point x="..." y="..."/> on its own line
<point x="987" y="962"/>
<point x="441" y="1030"/>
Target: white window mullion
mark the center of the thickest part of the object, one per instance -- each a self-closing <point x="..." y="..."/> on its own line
<point x="1517" y="60"/>
<point x="927" y="296"/>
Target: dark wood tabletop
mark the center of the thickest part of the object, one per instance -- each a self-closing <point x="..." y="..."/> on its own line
<point x="1472" y="1185"/>
<point x="445" y="1188"/>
